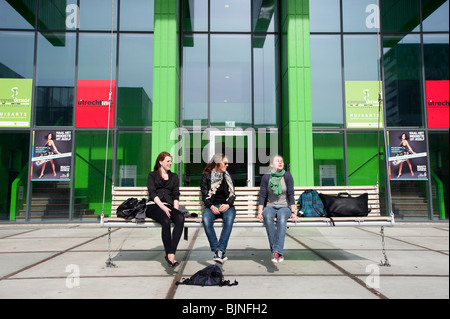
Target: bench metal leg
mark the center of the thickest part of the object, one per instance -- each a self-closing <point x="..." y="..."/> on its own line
<point x="109" y="262"/>
<point x="186" y="233"/>
<point x="385" y="262"/>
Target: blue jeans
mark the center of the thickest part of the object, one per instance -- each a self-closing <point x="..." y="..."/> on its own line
<point x="208" y="224"/>
<point x="276" y="231"/>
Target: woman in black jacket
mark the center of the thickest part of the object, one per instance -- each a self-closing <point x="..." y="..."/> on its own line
<point x="218" y="195"/>
<point x="164" y="194"/>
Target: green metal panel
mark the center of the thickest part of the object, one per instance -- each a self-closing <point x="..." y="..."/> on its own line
<point x="166" y="76"/>
<point x="296" y="91"/>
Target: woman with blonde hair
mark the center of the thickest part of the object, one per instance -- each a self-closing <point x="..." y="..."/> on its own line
<point x="164" y="194"/>
<point x="218" y="196"/>
<point x="276" y="201"/>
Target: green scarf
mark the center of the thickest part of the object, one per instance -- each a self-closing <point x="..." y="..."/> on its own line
<point x="275" y="181"/>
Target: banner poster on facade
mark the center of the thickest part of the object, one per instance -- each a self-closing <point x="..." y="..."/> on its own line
<point x="92" y="106"/>
<point x="407" y="153"/>
<point x="437" y="104"/>
<point x="51" y="155"/>
<point x="15" y="102"/>
<point x="362" y="104"/>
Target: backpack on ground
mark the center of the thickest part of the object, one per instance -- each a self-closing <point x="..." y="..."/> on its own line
<point x="209" y="276"/>
<point x="311" y="205"/>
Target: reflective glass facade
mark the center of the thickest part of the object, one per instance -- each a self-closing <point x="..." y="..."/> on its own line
<point x="247" y="77"/>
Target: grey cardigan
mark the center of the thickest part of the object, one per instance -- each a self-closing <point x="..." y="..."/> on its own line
<point x="264" y="189"/>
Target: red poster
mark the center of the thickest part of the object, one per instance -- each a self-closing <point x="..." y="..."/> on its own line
<point x="437" y="104"/>
<point x="93" y="104"/>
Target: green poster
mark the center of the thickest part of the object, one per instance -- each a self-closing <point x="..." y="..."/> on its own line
<point x="15" y="102"/>
<point x="362" y="105"/>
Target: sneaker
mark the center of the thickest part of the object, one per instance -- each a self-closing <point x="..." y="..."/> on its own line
<point x="276" y="258"/>
<point x="220" y="257"/>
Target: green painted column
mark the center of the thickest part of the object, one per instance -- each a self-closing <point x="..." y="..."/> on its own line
<point x="296" y="91"/>
<point x="166" y="76"/>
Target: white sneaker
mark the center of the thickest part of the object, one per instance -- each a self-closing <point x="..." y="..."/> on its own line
<point x="276" y="258"/>
<point x="220" y="257"/>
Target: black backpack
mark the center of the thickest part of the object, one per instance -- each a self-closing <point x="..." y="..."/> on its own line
<point x="209" y="276"/>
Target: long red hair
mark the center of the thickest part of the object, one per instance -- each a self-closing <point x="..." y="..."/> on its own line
<point x="161" y="157"/>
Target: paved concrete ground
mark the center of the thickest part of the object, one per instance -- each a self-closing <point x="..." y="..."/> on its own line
<point x="68" y="261"/>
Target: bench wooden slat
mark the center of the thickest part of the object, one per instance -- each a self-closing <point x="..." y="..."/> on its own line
<point x="246" y="203"/>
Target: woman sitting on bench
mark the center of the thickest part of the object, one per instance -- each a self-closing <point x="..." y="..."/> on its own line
<point x="164" y="193"/>
<point x="276" y="197"/>
<point x="218" y="195"/>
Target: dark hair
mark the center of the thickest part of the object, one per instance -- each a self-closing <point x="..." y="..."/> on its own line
<point x="161" y="157"/>
<point x="46" y="136"/>
<point x="213" y="163"/>
<point x="406" y="136"/>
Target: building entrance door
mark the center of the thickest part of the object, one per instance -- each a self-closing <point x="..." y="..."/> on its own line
<point x="239" y="147"/>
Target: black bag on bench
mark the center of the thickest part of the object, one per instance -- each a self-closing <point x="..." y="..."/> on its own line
<point x="344" y="205"/>
<point x="132" y="208"/>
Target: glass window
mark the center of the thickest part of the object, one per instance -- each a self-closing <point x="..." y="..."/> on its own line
<point x="230" y="15"/>
<point x="55" y="77"/>
<point x="94" y="57"/>
<point x="50" y="201"/>
<point x="326" y="77"/>
<point x="267" y="145"/>
<point x="97" y="15"/>
<point x="194" y="160"/>
<point x="439" y="156"/>
<point x="16" y="54"/>
<point x="135" y="80"/>
<point x="325" y="16"/>
<point x="361" y="58"/>
<point x="266" y="98"/>
<point x="360" y="15"/>
<point x="137" y="15"/>
<point x="435" y="15"/>
<point x="195" y="79"/>
<point x="410" y="200"/>
<point x="17" y="14"/>
<point x="14" y="150"/>
<point x="231" y="69"/>
<point x="436" y="56"/>
<point x="329" y="164"/>
<point x="195" y="15"/>
<point x="403" y="80"/>
<point x="133" y="170"/>
<point x="89" y="173"/>
<point x="265" y="16"/>
<point x="53" y="15"/>
<point x="401" y="16"/>
<point x="362" y="158"/>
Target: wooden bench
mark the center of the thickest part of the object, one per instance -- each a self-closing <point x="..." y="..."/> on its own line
<point x="246" y="205"/>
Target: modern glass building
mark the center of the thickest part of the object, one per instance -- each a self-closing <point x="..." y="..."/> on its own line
<point x="332" y="85"/>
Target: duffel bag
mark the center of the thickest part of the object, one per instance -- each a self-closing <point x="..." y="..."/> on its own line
<point x="344" y="205"/>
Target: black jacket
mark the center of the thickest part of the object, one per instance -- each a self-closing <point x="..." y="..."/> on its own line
<point x="206" y="186"/>
<point x="167" y="193"/>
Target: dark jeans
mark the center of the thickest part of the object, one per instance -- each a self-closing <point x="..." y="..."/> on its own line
<point x="170" y="240"/>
